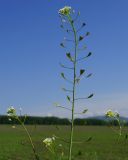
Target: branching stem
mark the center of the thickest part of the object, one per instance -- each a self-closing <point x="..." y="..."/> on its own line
<point x="30" y="139"/>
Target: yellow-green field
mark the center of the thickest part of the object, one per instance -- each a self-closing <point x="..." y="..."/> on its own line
<point x="103" y="146"/>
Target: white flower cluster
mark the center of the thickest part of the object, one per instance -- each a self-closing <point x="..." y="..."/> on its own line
<point x="11" y="112"/>
<point x="49" y="141"/>
<point x="112" y="114"/>
<point x="65" y="11"/>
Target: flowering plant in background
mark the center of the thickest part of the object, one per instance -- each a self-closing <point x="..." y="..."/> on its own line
<point x="112" y="114"/>
<point x="12" y="114"/>
<point x="65" y="11"/>
<point x="115" y="116"/>
<point x="53" y="148"/>
<point x="69" y="18"/>
<point x="49" y="141"/>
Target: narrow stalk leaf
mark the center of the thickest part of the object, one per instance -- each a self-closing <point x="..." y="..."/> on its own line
<point x="84" y="111"/>
<point x="61" y="26"/>
<point x="84" y="24"/>
<point x="90" y="96"/>
<point x="82" y="71"/>
<point x="63" y="66"/>
<point x="81" y="38"/>
<point x="63" y="76"/>
<point x="89" y="75"/>
<point x="89" y="139"/>
<point x="88" y="33"/>
<point x="68" y="98"/>
<point x="64" y="89"/>
<point x="89" y="54"/>
<point x="69" y="56"/>
<point x="62" y="45"/>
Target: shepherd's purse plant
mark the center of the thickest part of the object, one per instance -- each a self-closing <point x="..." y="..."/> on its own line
<point x="70" y="18"/>
<point x="12" y="114"/>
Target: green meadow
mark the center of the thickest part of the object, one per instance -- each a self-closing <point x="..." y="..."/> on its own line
<point x="104" y="143"/>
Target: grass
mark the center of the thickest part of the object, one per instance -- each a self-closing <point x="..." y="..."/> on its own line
<point x="14" y="144"/>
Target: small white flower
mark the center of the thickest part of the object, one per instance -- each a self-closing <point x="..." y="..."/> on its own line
<point x="10" y="119"/>
<point x="65" y="11"/>
<point x="60" y="145"/>
<point x="53" y="138"/>
<point x="48" y="141"/>
<point x="13" y="127"/>
<point x="109" y="113"/>
<point x="11" y="112"/>
<point x="112" y="114"/>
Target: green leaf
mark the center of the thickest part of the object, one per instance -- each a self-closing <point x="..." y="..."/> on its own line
<point x="72" y="21"/>
<point x="62" y="45"/>
<point x="89" y="54"/>
<point x="61" y="26"/>
<point x="82" y="71"/>
<point x="69" y="56"/>
<point x="90" y="96"/>
<point x="84" y="24"/>
<point x="64" y="89"/>
<point x="81" y="38"/>
<point x="126" y="136"/>
<point x="62" y="75"/>
<point x="89" y="139"/>
<point x="68" y="98"/>
<point x="84" y="111"/>
<point x="89" y="75"/>
<point x="88" y="33"/>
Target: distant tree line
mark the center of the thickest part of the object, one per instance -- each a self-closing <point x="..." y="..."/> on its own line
<point x="58" y="121"/>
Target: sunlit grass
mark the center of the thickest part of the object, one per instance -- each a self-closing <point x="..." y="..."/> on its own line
<point x="14" y="144"/>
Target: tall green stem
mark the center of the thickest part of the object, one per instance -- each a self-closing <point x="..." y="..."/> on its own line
<point x="120" y="127"/>
<point x="74" y="87"/>
<point x="30" y="139"/>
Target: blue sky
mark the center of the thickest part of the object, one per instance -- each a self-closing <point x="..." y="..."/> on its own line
<point x="30" y="56"/>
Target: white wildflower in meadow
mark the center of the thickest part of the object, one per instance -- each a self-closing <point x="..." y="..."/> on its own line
<point x="10" y="119"/>
<point x="112" y="114"/>
<point x="109" y="113"/>
<point x="49" y="141"/>
<point x="13" y="127"/>
<point x="53" y="138"/>
<point x="11" y="112"/>
<point x="65" y="11"/>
